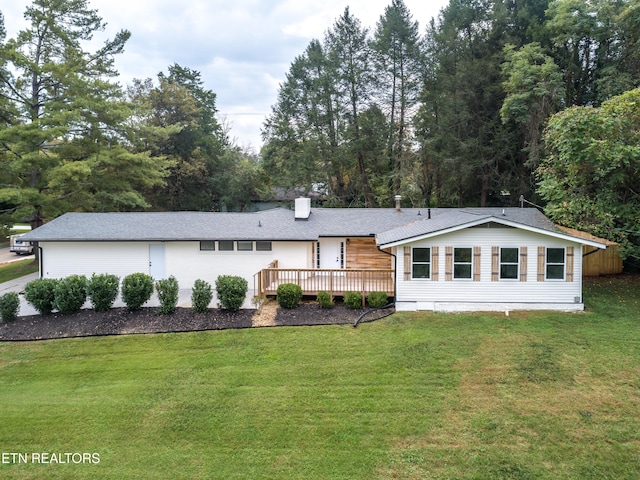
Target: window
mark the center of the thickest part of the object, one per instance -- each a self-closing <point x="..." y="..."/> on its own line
<point x="555" y="263"/>
<point x="263" y="246"/>
<point x="509" y="263"/>
<point x="207" y="245"/>
<point x="245" y="246"/>
<point x="225" y="245"/>
<point x="462" y="262"/>
<point x="421" y="263"/>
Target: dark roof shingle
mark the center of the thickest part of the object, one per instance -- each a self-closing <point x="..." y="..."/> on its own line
<point x="279" y="224"/>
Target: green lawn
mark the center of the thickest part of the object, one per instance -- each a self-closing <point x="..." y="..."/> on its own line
<point x="414" y="396"/>
<point x="11" y="271"/>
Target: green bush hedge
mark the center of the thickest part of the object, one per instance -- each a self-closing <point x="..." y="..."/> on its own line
<point x="40" y="293"/>
<point x="168" y="290"/>
<point x="70" y="294"/>
<point x="353" y="299"/>
<point x="137" y="289"/>
<point x="289" y="295"/>
<point x="377" y="299"/>
<point x="9" y="307"/>
<point x="102" y="290"/>
<point x="232" y="291"/>
<point x="201" y="296"/>
<point x="325" y="300"/>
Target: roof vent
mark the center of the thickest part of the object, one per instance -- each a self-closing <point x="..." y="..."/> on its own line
<point x="303" y="208"/>
<point x="398" y="198"/>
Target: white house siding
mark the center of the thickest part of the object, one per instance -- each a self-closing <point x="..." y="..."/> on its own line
<point x="60" y="260"/>
<point x="183" y="260"/>
<point x="188" y="263"/>
<point x="485" y="294"/>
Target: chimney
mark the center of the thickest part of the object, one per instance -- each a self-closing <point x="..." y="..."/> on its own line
<point x="303" y="208"/>
<point x="398" y="198"/>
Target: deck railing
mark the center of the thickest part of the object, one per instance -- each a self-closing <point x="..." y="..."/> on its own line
<point x="335" y="282"/>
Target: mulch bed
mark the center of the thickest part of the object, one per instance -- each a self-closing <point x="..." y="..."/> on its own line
<point x="312" y="314"/>
<point x="120" y="321"/>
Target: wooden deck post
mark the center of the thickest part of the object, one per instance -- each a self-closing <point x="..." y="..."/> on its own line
<point x="331" y="284"/>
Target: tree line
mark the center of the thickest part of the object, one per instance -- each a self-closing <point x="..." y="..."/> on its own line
<point x="455" y="115"/>
<point x="491" y="101"/>
<point x="72" y="138"/>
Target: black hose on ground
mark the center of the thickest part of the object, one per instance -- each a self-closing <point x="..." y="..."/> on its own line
<point x="373" y="310"/>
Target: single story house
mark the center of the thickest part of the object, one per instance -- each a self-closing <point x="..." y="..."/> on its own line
<point x="427" y="259"/>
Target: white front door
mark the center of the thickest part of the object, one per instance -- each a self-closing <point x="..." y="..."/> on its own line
<point x="331" y="253"/>
<point x="156" y="261"/>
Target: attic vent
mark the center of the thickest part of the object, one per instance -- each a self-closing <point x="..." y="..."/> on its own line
<point x="398" y="199"/>
<point x="303" y="208"/>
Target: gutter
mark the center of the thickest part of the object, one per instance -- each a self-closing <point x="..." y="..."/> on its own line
<point x="584" y="255"/>
<point x="395" y="272"/>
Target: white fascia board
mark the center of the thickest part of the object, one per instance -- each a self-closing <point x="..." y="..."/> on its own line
<point x="500" y="220"/>
<point x="563" y="236"/>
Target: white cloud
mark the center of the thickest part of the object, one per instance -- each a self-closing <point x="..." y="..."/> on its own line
<point x="242" y="48"/>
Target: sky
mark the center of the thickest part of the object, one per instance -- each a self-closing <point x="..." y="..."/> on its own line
<point x="242" y="48"/>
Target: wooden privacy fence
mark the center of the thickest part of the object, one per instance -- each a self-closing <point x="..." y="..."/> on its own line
<point x="335" y="282"/>
<point x="596" y="261"/>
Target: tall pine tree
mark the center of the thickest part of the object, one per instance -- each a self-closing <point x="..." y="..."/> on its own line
<point x="65" y="147"/>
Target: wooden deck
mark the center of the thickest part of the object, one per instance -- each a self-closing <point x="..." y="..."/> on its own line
<point x="335" y="282"/>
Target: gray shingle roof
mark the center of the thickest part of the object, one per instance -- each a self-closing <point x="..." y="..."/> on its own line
<point x="445" y="219"/>
<point x="278" y="224"/>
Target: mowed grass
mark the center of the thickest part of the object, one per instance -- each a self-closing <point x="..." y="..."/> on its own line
<point x="11" y="271"/>
<point x="414" y="396"/>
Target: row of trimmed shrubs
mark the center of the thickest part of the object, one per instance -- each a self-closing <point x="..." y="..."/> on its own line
<point x="68" y="295"/>
<point x="290" y="294"/>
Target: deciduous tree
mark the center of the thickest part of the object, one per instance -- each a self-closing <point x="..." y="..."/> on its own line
<point x="534" y="89"/>
<point x="590" y="178"/>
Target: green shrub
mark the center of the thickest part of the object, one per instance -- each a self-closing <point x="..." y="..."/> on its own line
<point x="9" y="307"/>
<point x="232" y="291"/>
<point x="40" y="293"/>
<point x="168" y="290"/>
<point x="289" y="295"/>
<point x="377" y="299"/>
<point x="70" y="294"/>
<point x="136" y="290"/>
<point x="353" y="299"/>
<point x="325" y="300"/>
<point x="201" y="296"/>
<point x="102" y="290"/>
